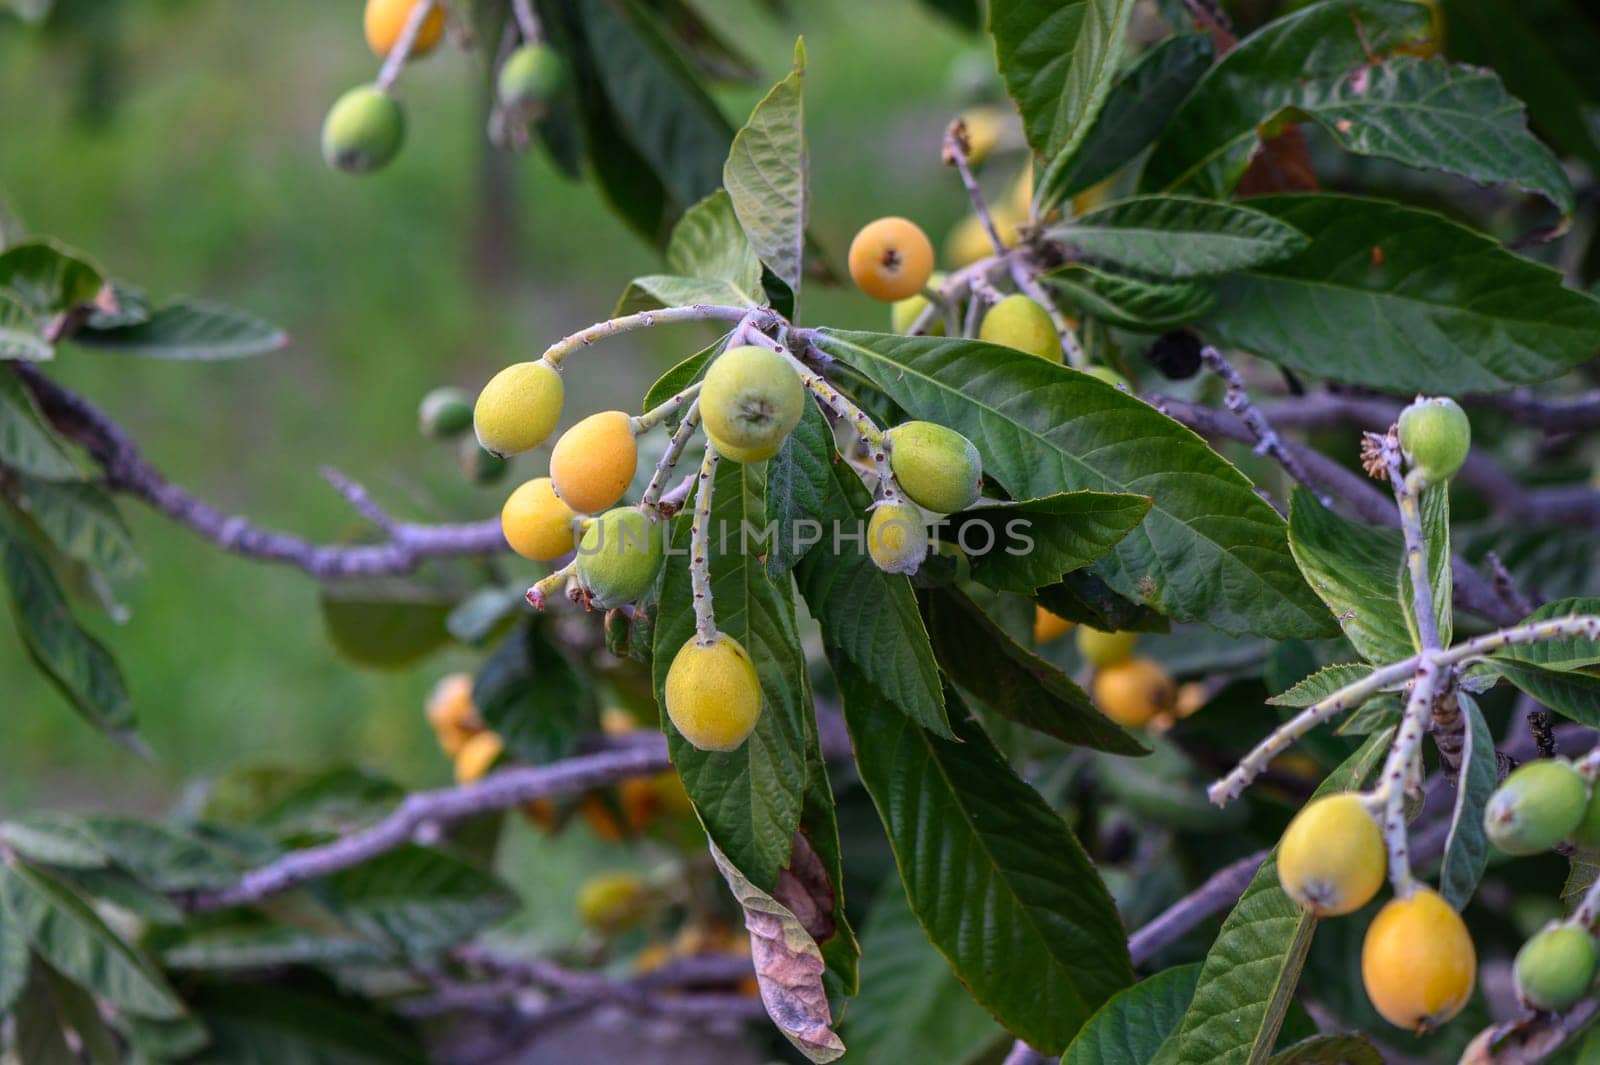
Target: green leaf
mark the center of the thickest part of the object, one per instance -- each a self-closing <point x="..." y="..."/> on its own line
<point x="866" y="614"/>
<point x="420" y="900"/>
<point x="767" y="176"/>
<point x="258" y="1023"/>
<point x="1085" y="598"/>
<point x="1321" y="684"/>
<point x="1138" y="108"/>
<point x="1210" y="548"/>
<point x="997" y="879"/>
<point x="1011" y="680"/>
<point x="655" y="98"/>
<point x="1058" y="59"/>
<point x="1573" y="652"/>
<point x="788" y="967"/>
<point x="190" y="329"/>
<point x="1023" y="546"/>
<point x="1130" y="302"/>
<point x="1403" y="300"/>
<point x="749" y="799"/>
<point x="1466" y="854"/>
<point x="801" y="491"/>
<point x="246" y="941"/>
<point x="19" y="333"/>
<point x="1250" y="972"/>
<point x="815" y="879"/>
<point x="1356" y="570"/>
<point x="14" y="958"/>
<point x="711" y="262"/>
<point x="532" y="696"/>
<point x="54" y="838"/>
<point x="1434" y="509"/>
<point x="48" y="277"/>
<point x="82" y="522"/>
<point x="77" y="664"/>
<point x="1348" y="1049"/>
<point x="387" y="622"/>
<point x="73" y="939"/>
<point x="1574" y="695"/>
<point x="1208" y="143"/>
<point x="164" y="856"/>
<point x="27" y="443"/>
<point x="911" y="1007"/>
<point x="1180" y="238"/>
<point x="682" y="375"/>
<point x="1134" y="1025"/>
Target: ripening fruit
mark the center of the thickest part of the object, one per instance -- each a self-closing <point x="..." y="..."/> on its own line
<point x="593" y="462"/>
<point x="1191" y="697"/>
<point x="1018" y="322"/>
<point x="444" y="413"/>
<point x="530" y="78"/>
<point x="1101" y="649"/>
<point x="1109" y="376"/>
<point x="903" y="314"/>
<point x="891" y="259"/>
<point x="1539" y="805"/>
<point x="968" y="241"/>
<point x="713" y="694"/>
<point x="619" y="557"/>
<point x="600" y="814"/>
<point x="1417" y="962"/>
<point x="1555" y="968"/>
<point x="477" y="756"/>
<point x="385" y="19"/>
<point x="1048" y="626"/>
<point x="480" y="466"/>
<point x="1132" y="692"/>
<point x="363" y="131"/>
<point x="897" y="539"/>
<point x="936" y="466"/>
<point x="451" y="714"/>
<point x="1331" y="859"/>
<point x="612" y="902"/>
<point x="519" y="407"/>
<point x="750" y="402"/>
<point x="1435" y="435"/>
<point x="536" y="523"/>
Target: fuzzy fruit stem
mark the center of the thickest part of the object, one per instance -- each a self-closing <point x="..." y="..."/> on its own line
<point x="705" y="618"/>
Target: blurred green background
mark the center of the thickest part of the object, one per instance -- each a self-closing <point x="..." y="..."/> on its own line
<point x="181" y="152"/>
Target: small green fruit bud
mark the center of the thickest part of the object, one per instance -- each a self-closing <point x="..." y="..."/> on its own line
<point x="1538" y="806"/>
<point x="897" y="540"/>
<point x="480" y="466"/>
<point x="1555" y="968"/>
<point x="1102" y="649"/>
<point x="1435" y="435"/>
<point x="936" y="466"/>
<point x="903" y="314"/>
<point x="619" y="557"/>
<point x="1018" y="322"/>
<point x="530" y="77"/>
<point x="751" y="400"/>
<point x="444" y="413"/>
<point x="363" y="130"/>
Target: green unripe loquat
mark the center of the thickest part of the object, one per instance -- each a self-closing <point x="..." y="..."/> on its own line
<point x="1102" y="649"/>
<point x="713" y="693"/>
<point x="750" y="402"/>
<point x="1331" y="860"/>
<point x="363" y="131"/>
<point x="1555" y="968"/>
<point x="480" y="466"/>
<point x="1018" y="322"/>
<point x="619" y="556"/>
<point x="444" y="413"/>
<point x="612" y="902"/>
<point x="1538" y="806"/>
<point x="903" y="314"/>
<point x="519" y="408"/>
<point x="593" y="462"/>
<point x="1436" y="436"/>
<point x="938" y="468"/>
<point x="897" y="539"/>
<point x="530" y="78"/>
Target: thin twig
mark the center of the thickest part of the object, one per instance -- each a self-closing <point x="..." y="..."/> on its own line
<point x="699" y="312"/>
<point x="527" y="21"/>
<point x="401" y="52"/>
<point x="705" y="617"/>
<point x="955" y="154"/>
<point x="1268" y="442"/>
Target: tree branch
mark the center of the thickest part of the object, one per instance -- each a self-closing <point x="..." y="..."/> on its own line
<point x="407" y="545"/>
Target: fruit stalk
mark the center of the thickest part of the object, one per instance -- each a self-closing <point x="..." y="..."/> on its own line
<point x="1268" y="442"/>
<point x="539" y="594"/>
<point x="1399" y="772"/>
<point x="1406" y="488"/>
<point x="653" y="417"/>
<point x="396" y="59"/>
<point x="698" y="312"/>
<point x="705" y="618"/>
<point x="527" y="22"/>
<point x="955" y="154"/>
<point x="669" y="458"/>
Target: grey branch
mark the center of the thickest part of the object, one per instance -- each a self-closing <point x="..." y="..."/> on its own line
<point x="406" y="545"/>
<point x="430" y="809"/>
<point x="660" y="991"/>
<point x="1268" y="442"/>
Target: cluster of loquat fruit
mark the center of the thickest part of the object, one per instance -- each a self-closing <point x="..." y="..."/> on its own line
<point x="1133" y="691"/>
<point x="365" y="127"/>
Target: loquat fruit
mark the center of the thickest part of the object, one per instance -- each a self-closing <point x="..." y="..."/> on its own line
<point x="519" y="408"/>
<point x="1019" y="322"/>
<point x="750" y="402"/>
<point x="1331" y="860"/>
<point x="897" y="539"/>
<point x="713" y="693"/>
<point x="619" y="557"/>
<point x="1101" y="649"/>
<point x="1048" y="627"/>
<point x="1436" y="436"/>
<point x="1132" y="692"/>
<point x="1417" y="962"/>
<point x="1537" y="806"/>
<point x="593" y="462"/>
<point x="938" y="468"/>
<point x="536" y="523"/>
<point x="1555" y="967"/>
<point x="384" y="20"/>
<point x="363" y="131"/>
<point x="891" y="259"/>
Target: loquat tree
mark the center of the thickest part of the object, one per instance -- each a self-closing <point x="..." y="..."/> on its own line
<point x="1295" y="790"/>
